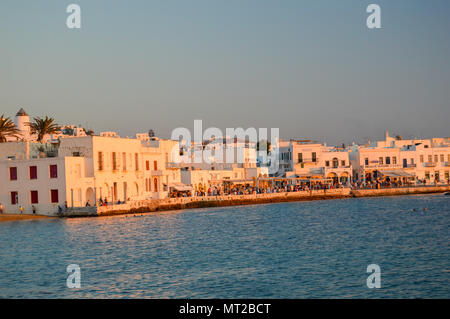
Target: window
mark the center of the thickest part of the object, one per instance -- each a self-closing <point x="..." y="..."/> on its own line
<point x="342" y="163"/>
<point x="447" y="175"/>
<point x="13" y="173"/>
<point x="366" y="161"/>
<point x="421" y="158"/>
<point x="448" y="158"/>
<point x="314" y="157"/>
<point x="300" y="157"/>
<point x="327" y="163"/>
<point x="100" y="161"/>
<point x="76" y="154"/>
<point x="124" y="161"/>
<point x="442" y="158"/>
<point x="114" y="161"/>
<point x="136" y="161"/>
<point x="394" y="160"/>
<point x="411" y="161"/>
<point x="147" y="165"/>
<point x="53" y="171"/>
<point x="33" y="172"/>
<point x="435" y="158"/>
<point x="427" y="175"/>
<point x="388" y="160"/>
<point x="335" y="162"/>
<point x="380" y="161"/>
<point x="14" y="198"/>
<point x="155" y="165"/>
<point x="54" y="196"/>
<point x="34" y="197"/>
<point x="430" y="159"/>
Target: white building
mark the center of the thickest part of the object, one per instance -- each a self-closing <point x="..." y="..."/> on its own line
<point x="411" y="160"/>
<point x="83" y="171"/>
<point x="309" y="160"/>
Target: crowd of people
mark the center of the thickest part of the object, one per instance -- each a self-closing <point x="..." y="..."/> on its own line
<point x="247" y="189"/>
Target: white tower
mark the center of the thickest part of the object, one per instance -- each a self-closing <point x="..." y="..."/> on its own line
<point x="21" y="120"/>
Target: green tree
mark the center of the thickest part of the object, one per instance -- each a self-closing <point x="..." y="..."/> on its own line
<point x="42" y="127"/>
<point x="7" y="129"/>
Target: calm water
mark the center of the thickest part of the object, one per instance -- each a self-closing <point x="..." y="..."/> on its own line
<point x="315" y="249"/>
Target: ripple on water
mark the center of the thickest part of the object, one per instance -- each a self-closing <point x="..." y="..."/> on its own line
<point x="317" y="249"/>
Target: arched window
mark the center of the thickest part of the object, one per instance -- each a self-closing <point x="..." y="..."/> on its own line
<point x="335" y="162"/>
<point x="155" y="183"/>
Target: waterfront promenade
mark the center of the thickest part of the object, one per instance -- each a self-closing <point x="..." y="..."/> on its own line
<point x="145" y="206"/>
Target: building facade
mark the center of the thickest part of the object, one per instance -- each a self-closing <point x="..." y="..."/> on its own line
<point x="413" y="160"/>
<point x="309" y="160"/>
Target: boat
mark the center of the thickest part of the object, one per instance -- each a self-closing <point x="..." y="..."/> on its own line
<point x="447" y="194"/>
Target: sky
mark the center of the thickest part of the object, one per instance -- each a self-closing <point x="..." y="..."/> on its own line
<point x="310" y="68"/>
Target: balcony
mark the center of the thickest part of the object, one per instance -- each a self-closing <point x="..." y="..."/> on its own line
<point x="429" y="164"/>
<point x="157" y="172"/>
<point x="446" y="164"/>
<point x="383" y="166"/>
<point x="309" y="160"/>
<point x="410" y="166"/>
<point x="173" y="165"/>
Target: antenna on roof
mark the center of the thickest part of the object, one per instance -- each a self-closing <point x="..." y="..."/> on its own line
<point x="151" y="134"/>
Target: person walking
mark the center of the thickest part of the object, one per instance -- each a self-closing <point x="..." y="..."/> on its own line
<point x="21" y="209"/>
<point x="34" y="209"/>
<point x="1" y="208"/>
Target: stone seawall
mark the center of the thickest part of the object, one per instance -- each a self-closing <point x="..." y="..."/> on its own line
<point x="399" y="191"/>
<point x="207" y="201"/>
<point x="145" y="206"/>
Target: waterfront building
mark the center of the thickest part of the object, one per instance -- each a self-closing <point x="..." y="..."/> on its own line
<point x="229" y="161"/>
<point x="408" y="161"/>
<point x="308" y="160"/>
<point x="82" y="171"/>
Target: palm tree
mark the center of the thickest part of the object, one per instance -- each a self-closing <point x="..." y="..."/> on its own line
<point x="42" y="127"/>
<point x="7" y="129"/>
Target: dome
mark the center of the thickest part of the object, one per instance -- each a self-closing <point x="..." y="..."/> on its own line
<point x="21" y="112"/>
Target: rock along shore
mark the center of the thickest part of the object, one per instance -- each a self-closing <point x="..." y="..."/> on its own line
<point x="146" y="206"/>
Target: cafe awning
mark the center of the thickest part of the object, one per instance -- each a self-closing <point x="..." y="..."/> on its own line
<point x="396" y="174"/>
<point x="181" y="187"/>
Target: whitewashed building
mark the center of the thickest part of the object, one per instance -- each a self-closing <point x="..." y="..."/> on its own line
<point x="82" y="171"/>
<point x="413" y="160"/>
<point x="311" y="160"/>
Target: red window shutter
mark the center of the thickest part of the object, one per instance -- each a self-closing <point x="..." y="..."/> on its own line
<point x="155" y="165"/>
<point x="53" y="171"/>
<point x="13" y="173"/>
<point x="34" y="197"/>
<point x="147" y="165"/>
<point x="54" y="196"/>
<point x="33" y="172"/>
<point x="14" y="198"/>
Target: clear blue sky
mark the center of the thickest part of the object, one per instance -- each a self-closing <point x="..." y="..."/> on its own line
<point x="311" y="68"/>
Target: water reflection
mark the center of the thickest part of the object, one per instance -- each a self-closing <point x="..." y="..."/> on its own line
<point x="288" y="250"/>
